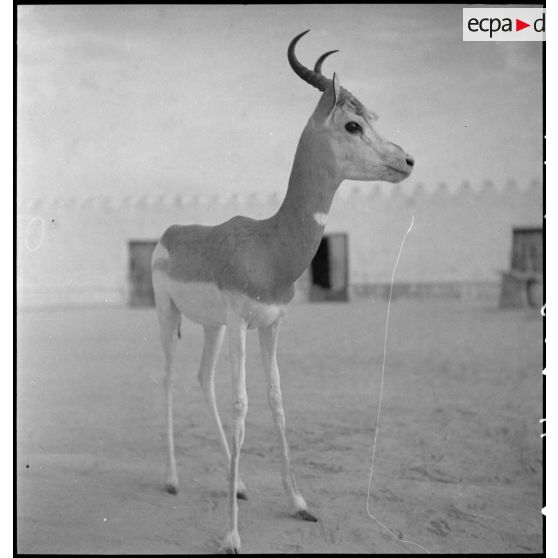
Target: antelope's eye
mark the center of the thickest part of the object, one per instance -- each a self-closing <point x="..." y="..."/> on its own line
<point x="353" y="127"/>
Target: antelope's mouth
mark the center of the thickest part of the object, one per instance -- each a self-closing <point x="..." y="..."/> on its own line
<point x="403" y="173"/>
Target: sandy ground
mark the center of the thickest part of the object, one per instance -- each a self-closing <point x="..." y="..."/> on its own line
<point x="458" y="463"/>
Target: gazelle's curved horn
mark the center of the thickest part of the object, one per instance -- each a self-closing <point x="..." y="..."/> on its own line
<point x="313" y="78"/>
<point x="320" y="61"/>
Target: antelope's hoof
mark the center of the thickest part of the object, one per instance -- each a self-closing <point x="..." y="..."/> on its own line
<point x="231" y="543"/>
<point x="241" y="495"/>
<point x="306" y="515"/>
<point x="171" y="488"/>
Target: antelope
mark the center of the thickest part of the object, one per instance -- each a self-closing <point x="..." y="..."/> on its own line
<point x="240" y="274"/>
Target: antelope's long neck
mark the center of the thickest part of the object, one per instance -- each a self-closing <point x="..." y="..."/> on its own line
<point x="301" y="217"/>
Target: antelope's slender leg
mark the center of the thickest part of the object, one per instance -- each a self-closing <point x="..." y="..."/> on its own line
<point x="237" y="346"/>
<point x="213" y="338"/>
<point x="169" y="320"/>
<point x="268" y="346"/>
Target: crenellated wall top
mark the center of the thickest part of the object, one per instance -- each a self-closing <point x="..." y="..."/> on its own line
<point x="348" y="194"/>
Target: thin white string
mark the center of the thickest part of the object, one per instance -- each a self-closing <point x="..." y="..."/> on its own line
<point x="380" y="403"/>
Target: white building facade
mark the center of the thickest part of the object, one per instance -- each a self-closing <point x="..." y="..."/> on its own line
<point x="74" y="252"/>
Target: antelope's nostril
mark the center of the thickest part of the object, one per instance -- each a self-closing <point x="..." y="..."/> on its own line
<point x="409" y="160"/>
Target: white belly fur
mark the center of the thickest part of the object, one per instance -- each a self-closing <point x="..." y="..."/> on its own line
<point x="205" y="304"/>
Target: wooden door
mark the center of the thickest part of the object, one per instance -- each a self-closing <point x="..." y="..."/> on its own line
<point x="141" y="288"/>
<point x="527" y="250"/>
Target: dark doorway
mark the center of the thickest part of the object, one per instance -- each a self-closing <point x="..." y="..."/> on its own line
<point x="522" y="285"/>
<point x="527" y="249"/>
<point x="141" y="288"/>
<point x="320" y="265"/>
<point x="330" y="269"/>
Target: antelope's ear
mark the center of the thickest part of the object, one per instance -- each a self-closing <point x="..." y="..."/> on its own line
<point x="328" y="100"/>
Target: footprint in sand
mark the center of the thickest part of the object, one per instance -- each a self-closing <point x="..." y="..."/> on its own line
<point x="439" y="528"/>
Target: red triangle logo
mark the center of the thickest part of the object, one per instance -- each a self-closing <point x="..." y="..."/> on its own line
<point x="519" y="25"/>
